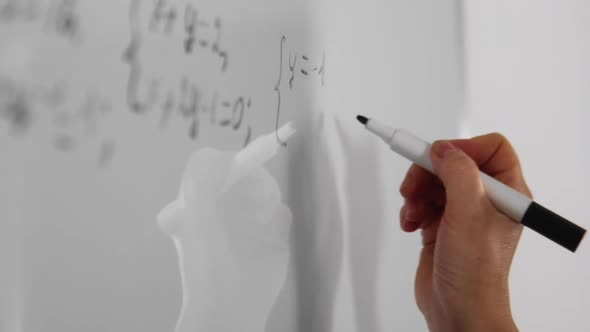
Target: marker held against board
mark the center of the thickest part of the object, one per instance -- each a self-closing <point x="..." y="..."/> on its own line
<point x="513" y="204"/>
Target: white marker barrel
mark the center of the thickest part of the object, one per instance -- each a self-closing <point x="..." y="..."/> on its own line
<point x="510" y="202"/>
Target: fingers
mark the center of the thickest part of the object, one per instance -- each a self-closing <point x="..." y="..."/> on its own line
<point x="417" y="214"/>
<point x="405" y="224"/>
<point x="421" y="184"/>
<point x="425" y="199"/>
<point x="496" y="157"/>
<point x="429" y="232"/>
<point x="459" y="171"/>
<point x="493" y="153"/>
<point x="465" y="194"/>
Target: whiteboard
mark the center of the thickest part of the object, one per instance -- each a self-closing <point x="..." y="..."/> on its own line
<point x="105" y="105"/>
<point x="509" y="67"/>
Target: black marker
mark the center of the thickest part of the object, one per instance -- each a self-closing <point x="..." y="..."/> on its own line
<point x="513" y="204"/>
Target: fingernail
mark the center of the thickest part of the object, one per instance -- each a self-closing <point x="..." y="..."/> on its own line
<point x="443" y="148"/>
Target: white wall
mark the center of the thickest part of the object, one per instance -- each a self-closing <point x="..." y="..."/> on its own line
<point x="528" y="76"/>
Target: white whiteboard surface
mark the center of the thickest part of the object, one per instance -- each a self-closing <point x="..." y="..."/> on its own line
<point x="94" y="138"/>
<point x="529" y="78"/>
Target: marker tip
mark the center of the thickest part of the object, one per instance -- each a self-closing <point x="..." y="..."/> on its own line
<point x="362" y="119"/>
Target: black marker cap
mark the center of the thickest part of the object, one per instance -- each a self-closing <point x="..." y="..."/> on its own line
<point x="553" y="227"/>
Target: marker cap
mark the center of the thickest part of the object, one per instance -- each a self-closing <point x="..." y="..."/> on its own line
<point x="553" y="227"/>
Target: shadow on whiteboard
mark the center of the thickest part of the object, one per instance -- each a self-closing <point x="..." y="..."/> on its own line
<point x="365" y="221"/>
<point x="336" y="235"/>
<point x="231" y="231"/>
<point x="307" y="301"/>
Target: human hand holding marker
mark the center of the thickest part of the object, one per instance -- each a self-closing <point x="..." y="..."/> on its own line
<point x="468" y="245"/>
<point x="507" y="200"/>
<point x="468" y="225"/>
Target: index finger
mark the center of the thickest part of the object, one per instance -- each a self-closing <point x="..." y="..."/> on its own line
<point x="496" y="157"/>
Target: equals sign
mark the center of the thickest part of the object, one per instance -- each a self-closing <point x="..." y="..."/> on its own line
<point x="225" y="123"/>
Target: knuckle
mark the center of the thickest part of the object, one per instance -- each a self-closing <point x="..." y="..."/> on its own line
<point x="405" y="190"/>
<point x="460" y="162"/>
<point x="504" y="144"/>
<point x="406" y="186"/>
<point x="406" y="182"/>
<point x="496" y="139"/>
<point x="499" y="137"/>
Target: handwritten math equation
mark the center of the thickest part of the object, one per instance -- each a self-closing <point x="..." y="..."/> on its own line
<point x="72" y="121"/>
<point x="183" y="99"/>
<point x="190" y="103"/>
<point x="200" y="33"/>
<point x="60" y="17"/>
<point x="298" y="65"/>
<point x="174" y="100"/>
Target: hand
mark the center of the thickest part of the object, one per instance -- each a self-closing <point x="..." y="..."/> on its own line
<point x="468" y="246"/>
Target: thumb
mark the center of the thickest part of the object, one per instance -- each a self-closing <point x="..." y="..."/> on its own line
<point x="465" y="193"/>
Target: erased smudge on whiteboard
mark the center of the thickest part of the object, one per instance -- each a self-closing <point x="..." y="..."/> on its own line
<point x="231" y="231"/>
